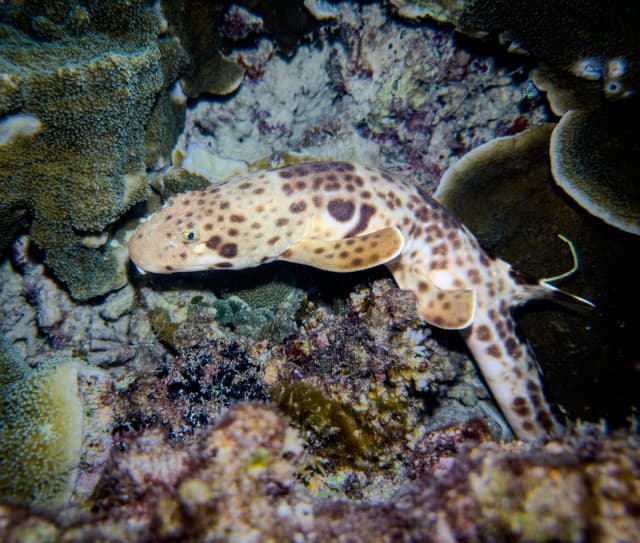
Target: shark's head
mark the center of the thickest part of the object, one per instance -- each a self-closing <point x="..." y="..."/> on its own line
<point x="232" y="225"/>
<point x="184" y="236"/>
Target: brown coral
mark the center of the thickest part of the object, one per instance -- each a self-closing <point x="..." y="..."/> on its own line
<point x="92" y="89"/>
<point x="595" y="157"/>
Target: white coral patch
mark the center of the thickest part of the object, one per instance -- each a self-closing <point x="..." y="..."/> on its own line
<point x="20" y="125"/>
<point x="589" y="68"/>
<point x="200" y="160"/>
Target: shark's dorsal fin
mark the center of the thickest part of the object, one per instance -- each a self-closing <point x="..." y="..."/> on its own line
<point x="348" y="254"/>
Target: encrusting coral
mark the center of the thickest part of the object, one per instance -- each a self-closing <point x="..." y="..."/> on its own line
<point x="90" y="76"/>
<point x="51" y="423"/>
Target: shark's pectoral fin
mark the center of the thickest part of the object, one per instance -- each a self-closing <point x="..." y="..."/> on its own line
<point x="452" y="309"/>
<point x="348" y="254"/>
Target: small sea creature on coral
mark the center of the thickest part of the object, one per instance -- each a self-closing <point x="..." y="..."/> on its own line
<point x="344" y="217"/>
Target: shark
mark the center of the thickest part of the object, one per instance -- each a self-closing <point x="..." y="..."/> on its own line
<point x="343" y="217"/>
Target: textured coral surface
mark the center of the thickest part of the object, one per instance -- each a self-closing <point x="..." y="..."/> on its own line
<point x="90" y="77"/>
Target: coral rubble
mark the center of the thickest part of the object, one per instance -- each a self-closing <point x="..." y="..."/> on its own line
<point x="240" y="480"/>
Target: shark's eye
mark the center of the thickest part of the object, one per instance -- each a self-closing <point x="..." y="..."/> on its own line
<point x="189" y="236"/>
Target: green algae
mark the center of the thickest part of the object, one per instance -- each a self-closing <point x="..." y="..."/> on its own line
<point x="265" y="311"/>
<point x="162" y="326"/>
<point x="338" y="427"/>
<point x="349" y="436"/>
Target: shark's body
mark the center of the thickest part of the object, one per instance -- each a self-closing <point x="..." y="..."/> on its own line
<point x="343" y="217"/>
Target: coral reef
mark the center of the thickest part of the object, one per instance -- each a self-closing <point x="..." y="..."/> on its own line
<point x="240" y="481"/>
<point x="364" y="425"/>
<point x="369" y="89"/>
<point x="90" y="77"/>
<point x="360" y="370"/>
<point x="593" y="149"/>
<point x="239" y="473"/>
<point x="54" y="430"/>
<point x="566" y="91"/>
<point x="358" y="381"/>
<point x="207" y="34"/>
<point x="262" y="312"/>
<point x="209" y="70"/>
<point x="594" y="71"/>
<point x="483" y="185"/>
<point x="604" y="45"/>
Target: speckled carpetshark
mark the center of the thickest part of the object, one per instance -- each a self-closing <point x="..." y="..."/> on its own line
<point x="345" y="217"/>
